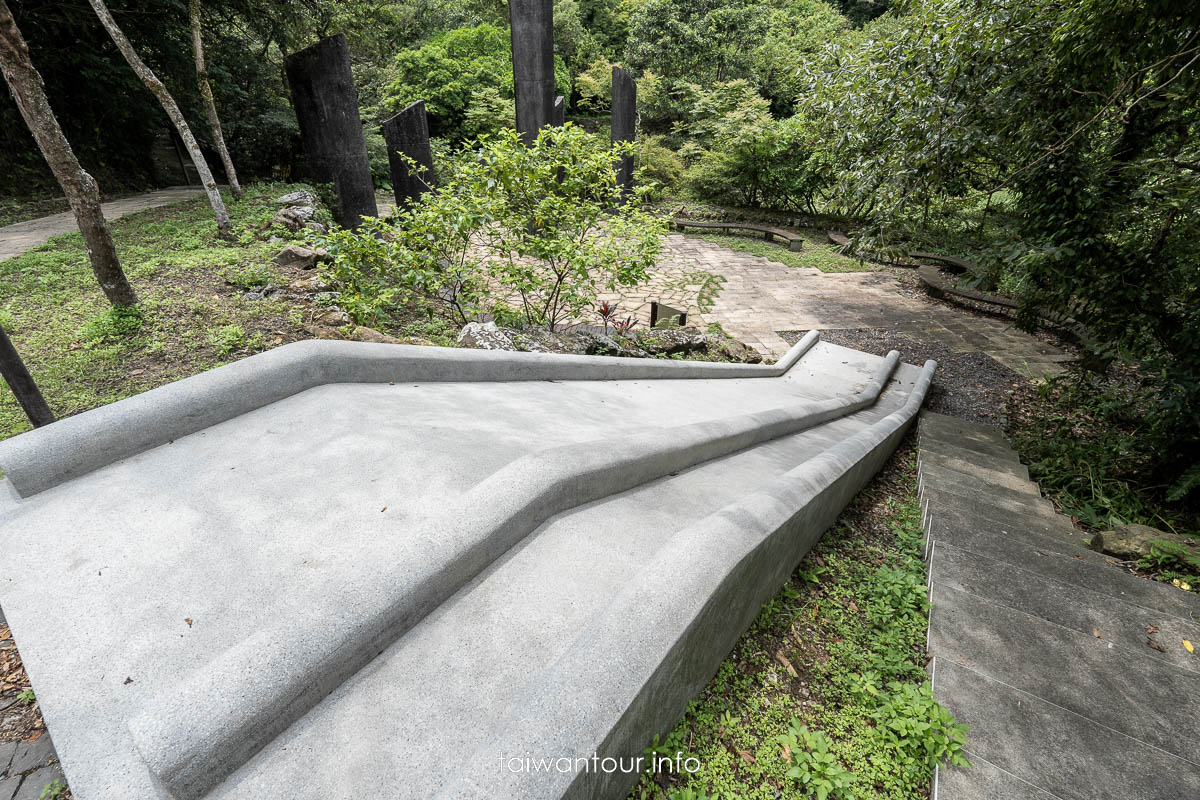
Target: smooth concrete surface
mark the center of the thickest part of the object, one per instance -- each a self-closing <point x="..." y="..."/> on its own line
<point x="45" y="457"/>
<point x="984" y="781"/>
<point x="984" y="468"/>
<point x="284" y="532"/>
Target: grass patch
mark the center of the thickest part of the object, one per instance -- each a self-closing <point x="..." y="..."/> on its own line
<point x="193" y="314"/>
<point x="826" y="694"/>
<point x="824" y="257"/>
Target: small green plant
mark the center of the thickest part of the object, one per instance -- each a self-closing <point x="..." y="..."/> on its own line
<point x="249" y="276"/>
<point x="112" y="324"/>
<point x="896" y="592"/>
<point x="688" y="794"/>
<point x="813" y="765"/>
<point x="53" y="790"/>
<point x="27" y="697"/>
<point x="912" y="722"/>
<point x="227" y="339"/>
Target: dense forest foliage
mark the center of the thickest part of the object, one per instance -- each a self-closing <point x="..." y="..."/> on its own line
<point x="1054" y="143"/>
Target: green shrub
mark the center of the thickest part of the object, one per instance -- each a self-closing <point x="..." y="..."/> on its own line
<point x="914" y="724"/>
<point x="113" y="324"/>
<point x="818" y="771"/>
<point x="249" y="276"/>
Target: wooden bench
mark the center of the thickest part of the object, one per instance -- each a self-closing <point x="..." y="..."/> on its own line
<point x="792" y="240"/>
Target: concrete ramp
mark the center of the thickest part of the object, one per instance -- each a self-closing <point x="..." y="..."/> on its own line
<point x="338" y="569"/>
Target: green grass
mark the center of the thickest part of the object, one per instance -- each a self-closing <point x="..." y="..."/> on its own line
<point x="831" y="678"/>
<point x="816" y="253"/>
<point x="191" y="318"/>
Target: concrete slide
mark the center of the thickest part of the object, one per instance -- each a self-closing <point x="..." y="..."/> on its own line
<point x="337" y="569"/>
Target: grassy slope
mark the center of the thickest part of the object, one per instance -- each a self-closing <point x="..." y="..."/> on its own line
<point x="821" y="654"/>
<point x="83" y="355"/>
<point x="816" y="254"/>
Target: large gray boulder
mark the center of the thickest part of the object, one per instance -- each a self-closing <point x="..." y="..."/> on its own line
<point x="484" y="336"/>
<point x="1130" y="542"/>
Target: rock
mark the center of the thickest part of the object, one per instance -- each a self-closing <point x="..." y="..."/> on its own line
<point x="294" y="217"/>
<point x="1129" y="542"/>
<point x="671" y="340"/>
<point x="733" y="350"/>
<point x="484" y="336"/>
<point x="598" y="344"/>
<point x="317" y="227"/>
<point x="334" y="318"/>
<point x="362" y="333"/>
<point x="300" y="198"/>
<point x="300" y="257"/>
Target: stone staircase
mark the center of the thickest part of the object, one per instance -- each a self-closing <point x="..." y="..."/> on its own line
<point x="1071" y="673"/>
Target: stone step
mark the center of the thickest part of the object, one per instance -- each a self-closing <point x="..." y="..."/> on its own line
<point x="969" y="480"/>
<point x="983" y="781"/>
<point x="984" y="516"/>
<point x="1056" y="750"/>
<point x="937" y="440"/>
<point x="1084" y="569"/>
<point x="1082" y="610"/>
<point x="1010" y="458"/>
<point x="992" y="501"/>
<point x="942" y="423"/>
<point x="973" y="463"/>
<point x="1110" y="685"/>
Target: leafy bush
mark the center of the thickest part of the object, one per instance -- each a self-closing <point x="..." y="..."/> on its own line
<point x="533" y="232"/>
<point x="913" y="723"/>
<point x="818" y="770"/>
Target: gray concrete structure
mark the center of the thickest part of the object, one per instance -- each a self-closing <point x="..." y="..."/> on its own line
<point x="624" y="124"/>
<point x="1071" y="673"/>
<point x="308" y="542"/>
<point x="532" y="28"/>
<point x="326" y="105"/>
<point x="558" y="116"/>
<point x="408" y="133"/>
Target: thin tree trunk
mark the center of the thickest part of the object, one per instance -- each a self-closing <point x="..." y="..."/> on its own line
<point x="214" y="121"/>
<point x="29" y="93"/>
<point x="224" y="227"/>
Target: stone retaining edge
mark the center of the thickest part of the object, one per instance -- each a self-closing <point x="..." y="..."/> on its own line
<point x="663" y="638"/>
<point x="45" y="457"/>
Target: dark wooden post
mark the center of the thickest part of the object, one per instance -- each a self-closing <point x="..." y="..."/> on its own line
<point x="326" y="105"/>
<point x="21" y="382"/>
<point x="408" y="133"/>
<point x="624" y="125"/>
<point x="558" y="117"/>
<point x="532" y="23"/>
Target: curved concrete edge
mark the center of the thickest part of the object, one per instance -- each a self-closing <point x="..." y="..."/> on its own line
<point x="663" y="637"/>
<point x="250" y="693"/>
<point x="45" y="457"/>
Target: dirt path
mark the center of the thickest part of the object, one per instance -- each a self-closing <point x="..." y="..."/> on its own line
<point x="17" y="238"/>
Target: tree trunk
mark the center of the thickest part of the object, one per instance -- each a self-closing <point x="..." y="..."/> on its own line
<point x="29" y="93"/>
<point x="224" y="227"/>
<point x="214" y="121"/>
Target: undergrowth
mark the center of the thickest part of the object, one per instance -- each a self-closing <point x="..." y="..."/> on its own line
<point x="826" y="695"/>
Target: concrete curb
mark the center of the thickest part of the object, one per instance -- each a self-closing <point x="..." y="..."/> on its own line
<point x="195" y="735"/>
<point x="45" y="457"/>
<point x="664" y="636"/>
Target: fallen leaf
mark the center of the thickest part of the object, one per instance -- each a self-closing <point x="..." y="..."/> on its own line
<point x="188" y="620"/>
<point x="128" y="681"/>
<point x="1096" y="633"/>
<point x="787" y="752"/>
<point x="1188" y="646"/>
<point x="1150" y="641"/>
<point x="33" y="737"/>
<point x="383" y="509"/>
<point x="853" y="606"/>
<point x="782" y="659"/>
<point x="1152" y="629"/>
<point x="746" y="756"/>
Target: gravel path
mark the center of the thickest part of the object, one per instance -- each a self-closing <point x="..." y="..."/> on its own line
<point x="972" y="386"/>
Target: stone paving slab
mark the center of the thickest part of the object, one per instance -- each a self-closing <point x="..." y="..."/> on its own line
<point x="983" y="781"/>
<point x="1059" y="751"/>
<point x="995" y="502"/>
<point x="968" y="466"/>
<point x="969" y="479"/>
<point x="21" y="236"/>
<point x="1081" y="609"/>
<point x="985" y="448"/>
<point x="1121" y="688"/>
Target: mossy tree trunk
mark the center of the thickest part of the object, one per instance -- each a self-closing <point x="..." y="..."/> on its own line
<point x="159" y="90"/>
<point x="29" y="92"/>
<point x="210" y="106"/>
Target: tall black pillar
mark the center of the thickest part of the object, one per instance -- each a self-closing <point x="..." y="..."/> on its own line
<point x="532" y="23"/>
<point x="624" y="125"/>
<point x="408" y="133"/>
<point x="12" y="368"/>
<point x="326" y="105"/>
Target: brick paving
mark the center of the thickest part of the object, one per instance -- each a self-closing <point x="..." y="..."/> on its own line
<point x="760" y="297"/>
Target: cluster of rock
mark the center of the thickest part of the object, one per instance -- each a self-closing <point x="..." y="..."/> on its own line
<point x="298" y="212"/>
<point x="646" y="343"/>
